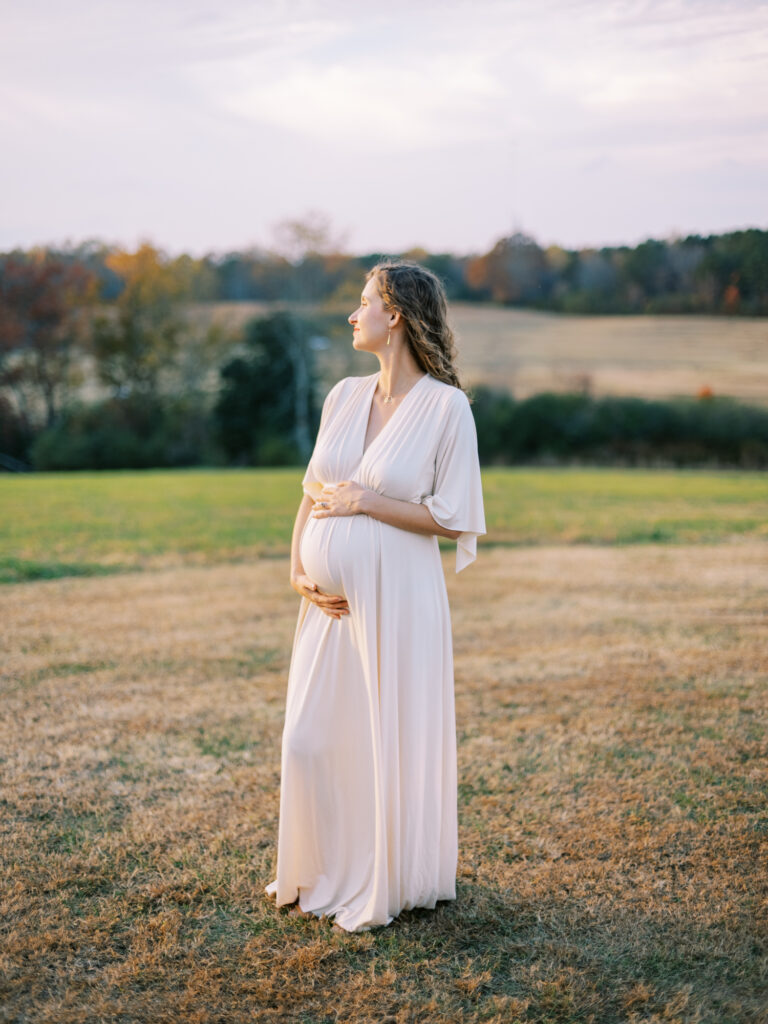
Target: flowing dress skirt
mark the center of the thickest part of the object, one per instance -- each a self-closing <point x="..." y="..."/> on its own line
<point x="368" y="795"/>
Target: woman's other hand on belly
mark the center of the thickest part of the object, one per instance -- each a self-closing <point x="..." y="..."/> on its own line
<point x="334" y="605"/>
<point x="343" y="499"/>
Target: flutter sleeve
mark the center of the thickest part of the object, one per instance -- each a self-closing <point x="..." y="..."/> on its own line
<point x="311" y="484"/>
<point x="456" y="501"/>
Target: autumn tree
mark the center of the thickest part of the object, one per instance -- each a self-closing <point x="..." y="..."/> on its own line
<point x="44" y="305"/>
<point x="314" y="252"/>
<point x="514" y="271"/>
<point x="138" y="339"/>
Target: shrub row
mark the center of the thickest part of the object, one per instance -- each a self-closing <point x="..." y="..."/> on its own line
<point x="619" y="431"/>
<point x="143" y="432"/>
<point x="137" y="432"/>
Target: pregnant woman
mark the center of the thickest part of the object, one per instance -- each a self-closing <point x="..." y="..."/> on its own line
<point x="368" y="796"/>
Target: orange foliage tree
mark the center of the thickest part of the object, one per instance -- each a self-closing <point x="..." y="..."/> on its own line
<point x="512" y="272"/>
<point x="136" y="340"/>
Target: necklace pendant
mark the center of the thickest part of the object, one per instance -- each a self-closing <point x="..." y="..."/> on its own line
<point x="388" y="399"/>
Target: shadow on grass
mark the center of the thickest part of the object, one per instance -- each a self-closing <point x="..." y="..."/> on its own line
<point x="562" y="960"/>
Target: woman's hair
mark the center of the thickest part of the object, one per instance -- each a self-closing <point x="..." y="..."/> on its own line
<point x="418" y="295"/>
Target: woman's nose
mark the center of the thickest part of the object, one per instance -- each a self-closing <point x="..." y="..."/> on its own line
<point x="352" y="318"/>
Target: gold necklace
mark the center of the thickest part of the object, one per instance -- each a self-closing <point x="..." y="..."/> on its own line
<point x="390" y="397"/>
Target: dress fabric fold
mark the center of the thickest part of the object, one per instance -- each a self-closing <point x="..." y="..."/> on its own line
<point x="368" y="823"/>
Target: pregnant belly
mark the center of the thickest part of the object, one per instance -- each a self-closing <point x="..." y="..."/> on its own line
<point x="336" y="551"/>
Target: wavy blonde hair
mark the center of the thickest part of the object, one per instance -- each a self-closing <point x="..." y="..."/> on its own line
<point x="419" y="297"/>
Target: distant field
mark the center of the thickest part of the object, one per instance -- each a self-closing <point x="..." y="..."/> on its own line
<point x="62" y="524"/>
<point x="646" y="356"/>
<point x="528" y="352"/>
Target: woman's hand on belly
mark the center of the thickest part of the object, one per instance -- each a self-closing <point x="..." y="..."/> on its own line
<point x="333" y="605"/>
<point x="343" y="499"/>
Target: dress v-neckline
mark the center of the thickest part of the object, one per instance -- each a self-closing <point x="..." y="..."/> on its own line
<point x="369" y="408"/>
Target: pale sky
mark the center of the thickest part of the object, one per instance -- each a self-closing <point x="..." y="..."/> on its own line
<point x="200" y="125"/>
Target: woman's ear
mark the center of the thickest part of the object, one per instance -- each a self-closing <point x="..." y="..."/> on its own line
<point x="394" y="318"/>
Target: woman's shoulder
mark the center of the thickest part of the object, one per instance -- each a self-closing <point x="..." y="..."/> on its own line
<point x="346" y="384"/>
<point x="350" y="382"/>
<point x="448" y="395"/>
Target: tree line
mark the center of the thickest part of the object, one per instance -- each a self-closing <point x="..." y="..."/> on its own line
<point x="146" y="362"/>
<point x="709" y="274"/>
<point x="133" y="381"/>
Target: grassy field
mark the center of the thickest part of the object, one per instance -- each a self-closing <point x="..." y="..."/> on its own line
<point x="612" y="714"/>
<point x="85" y="523"/>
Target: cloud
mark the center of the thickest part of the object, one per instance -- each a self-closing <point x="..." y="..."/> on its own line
<point x="364" y="104"/>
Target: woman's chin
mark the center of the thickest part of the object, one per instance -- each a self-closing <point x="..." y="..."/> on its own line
<point x="362" y="346"/>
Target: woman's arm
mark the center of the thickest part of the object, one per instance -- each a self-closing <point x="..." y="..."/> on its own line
<point x="405" y="514"/>
<point x="350" y="499"/>
<point x="305" y="507"/>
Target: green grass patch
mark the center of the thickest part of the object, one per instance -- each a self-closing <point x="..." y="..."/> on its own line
<point x="21" y="570"/>
<point x="623" y="506"/>
<point x="65" y="524"/>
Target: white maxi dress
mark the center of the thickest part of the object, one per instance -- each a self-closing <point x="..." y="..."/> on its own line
<point x="368" y="802"/>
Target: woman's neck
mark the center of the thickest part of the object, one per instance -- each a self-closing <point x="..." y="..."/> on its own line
<point x="399" y="372"/>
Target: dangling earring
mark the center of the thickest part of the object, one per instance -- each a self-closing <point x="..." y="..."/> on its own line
<point x="389" y="336"/>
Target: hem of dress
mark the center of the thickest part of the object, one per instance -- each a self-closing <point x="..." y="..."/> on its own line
<point x="271" y="890"/>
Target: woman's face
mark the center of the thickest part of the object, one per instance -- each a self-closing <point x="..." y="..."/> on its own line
<point x="371" y="321"/>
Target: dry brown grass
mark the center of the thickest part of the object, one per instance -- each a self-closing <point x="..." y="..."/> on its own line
<point x="649" y="356"/>
<point x="614" y="824"/>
